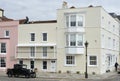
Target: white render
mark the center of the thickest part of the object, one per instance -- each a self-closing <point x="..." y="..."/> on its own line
<point x="1" y="13"/>
<point x="98" y="28"/>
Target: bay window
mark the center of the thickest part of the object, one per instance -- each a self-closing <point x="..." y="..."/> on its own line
<point x="74" y="20"/>
<point x="74" y="40"/>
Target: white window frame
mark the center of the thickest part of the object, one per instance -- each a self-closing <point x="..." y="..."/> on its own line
<point x="32" y="38"/>
<point x="5" y="33"/>
<point x="1" y="48"/>
<point x="46" y="65"/>
<point x="77" y="41"/>
<point x="32" y="51"/>
<point x="44" y="52"/>
<point x="74" y="63"/>
<point x="1" y="62"/>
<point x="89" y="61"/>
<point x="77" y="20"/>
<point x="43" y="36"/>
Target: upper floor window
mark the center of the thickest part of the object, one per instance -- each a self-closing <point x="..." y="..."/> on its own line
<point x="7" y="33"/>
<point x="32" y="51"/>
<point x="74" y="40"/>
<point x="44" y="51"/>
<point x="32" y="36"/>
<point x="74" y="20"/>
<point x="44" y="36"/>
<point x="3" y="47"/>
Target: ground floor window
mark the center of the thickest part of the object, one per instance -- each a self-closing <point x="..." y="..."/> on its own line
<point x="92" y="60"/>
<point x="70" y="60"/>
<point x="2" y="62"/>
<point x="44" y="64"/>
<point x="20" y="61"/>
<point x="32" y="64"/>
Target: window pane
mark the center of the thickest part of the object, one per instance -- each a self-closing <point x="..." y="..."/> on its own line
<point x="73" y="20"/>
<point x="32" y="36"/>
<point x="80" y="20"/>
<point x="2" y="62"/>
<point x="80" y="40"/>
<point x="93" y="60"/>
<point x="44" y="51"/>
<point x="7" y="33"/>
<point x="44" y="64"/>
<point x="32" y="64"/>
<point x="67" y="21"/>
<point x="32" y="51"/>
<point x="3" y="47"/>
<point x="72" y="40"/>
<point x="20" y="61"/>
<point x="44" y="36"/>
<point x="70" y="59"/>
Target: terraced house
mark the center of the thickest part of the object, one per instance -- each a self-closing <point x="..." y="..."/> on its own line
<point x="58" y="45"/>
<point x="8" y="41"/>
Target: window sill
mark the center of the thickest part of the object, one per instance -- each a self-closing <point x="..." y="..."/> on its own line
<point x="66" y="65"/>
<point x="92" y="65"/>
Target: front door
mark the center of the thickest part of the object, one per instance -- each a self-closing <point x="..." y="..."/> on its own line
<point x="53" y="66"/>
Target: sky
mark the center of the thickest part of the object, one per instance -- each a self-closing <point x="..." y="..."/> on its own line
<point x="47" y="9"/>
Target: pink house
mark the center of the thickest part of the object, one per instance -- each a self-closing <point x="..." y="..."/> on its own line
<point x="8" y="42"/>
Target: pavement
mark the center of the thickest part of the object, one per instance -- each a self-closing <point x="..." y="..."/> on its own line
<point x="71" y="75"/>
<point x="76" y="76"/>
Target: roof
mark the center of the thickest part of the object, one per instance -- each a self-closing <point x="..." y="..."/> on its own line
<point x="5" y="19"/>
<point x="48" y="21"/>
<point x="1" y="9"/>
<point x="118" y="17"/>
<point x="22" y="21"/>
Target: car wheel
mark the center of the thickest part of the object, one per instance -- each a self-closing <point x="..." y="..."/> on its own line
<point x="33" y="75"/>
<point x="9" y="74"/>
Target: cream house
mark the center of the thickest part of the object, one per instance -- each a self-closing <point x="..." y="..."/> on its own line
<point x="58" y="46"/>
<point x="92" y="24"/>
<point x="1" y="12"/>
<point x="37" y="45"/>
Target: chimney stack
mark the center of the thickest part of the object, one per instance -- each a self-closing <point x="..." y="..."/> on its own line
<point x="64" y="5"/>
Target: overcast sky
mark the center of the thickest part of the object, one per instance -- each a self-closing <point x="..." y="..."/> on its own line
<point x="46" y="9"/>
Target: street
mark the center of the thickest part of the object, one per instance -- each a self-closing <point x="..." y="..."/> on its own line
<point x="111" y="78"/>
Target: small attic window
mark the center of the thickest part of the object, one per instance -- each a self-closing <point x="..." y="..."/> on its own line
<point x="72" y="7"/>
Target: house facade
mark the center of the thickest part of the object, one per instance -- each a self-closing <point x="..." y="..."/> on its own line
<point x="92" y="24"/>
<point x="1" y="12"/>
<point x="58" y="46"/>
<point x="37" y="45"/>
<point x="8" y="41"/>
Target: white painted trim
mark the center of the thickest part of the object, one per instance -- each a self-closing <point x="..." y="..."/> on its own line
<point x="89" y="61"/>
<point x="36" y="44"/>
<point x="5" y="34"/>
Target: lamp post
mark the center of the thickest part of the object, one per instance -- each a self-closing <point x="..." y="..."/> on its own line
<point x="86" y="74"/>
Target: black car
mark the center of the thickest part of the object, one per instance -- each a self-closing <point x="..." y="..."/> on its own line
<point x="20" y="70"/>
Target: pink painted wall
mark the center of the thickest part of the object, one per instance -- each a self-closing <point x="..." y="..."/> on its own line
<point x="11" y="42"/>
